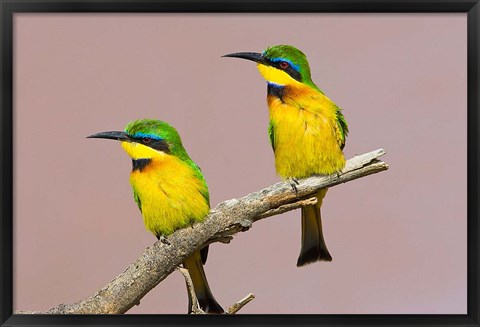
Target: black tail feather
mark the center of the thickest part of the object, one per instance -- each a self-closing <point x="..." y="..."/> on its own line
<point x="200" y="285"/>
<point x="313" y="244"/>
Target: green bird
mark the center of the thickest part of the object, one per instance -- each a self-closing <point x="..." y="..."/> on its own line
<point x="307" y="132"/>
<point x="169" y="189"/>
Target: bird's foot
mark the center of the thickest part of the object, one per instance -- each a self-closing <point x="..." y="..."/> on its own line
<point x="293" y="183"/>
<point x="164" y="240"/>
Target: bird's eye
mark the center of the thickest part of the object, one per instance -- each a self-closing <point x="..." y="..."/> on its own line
<point x="146" y="139"/>
<point x="284" y="64"/>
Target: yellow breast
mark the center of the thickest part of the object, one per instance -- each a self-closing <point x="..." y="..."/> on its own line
<point x="169" y="194"/>
<point x="305" y="133"/>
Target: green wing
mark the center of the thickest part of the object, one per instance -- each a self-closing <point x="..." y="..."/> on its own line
<point x="342" y="127"/>
<point x="206" y="195"/>
<point x="181" y="153"/>
<point x="137" y="199"/>
<point x="271" y="134"/>
<point x="198" y="174"/>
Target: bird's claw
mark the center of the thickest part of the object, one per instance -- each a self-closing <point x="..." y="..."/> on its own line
<point x="293" y="183"/>
<point x="164" y="240"/>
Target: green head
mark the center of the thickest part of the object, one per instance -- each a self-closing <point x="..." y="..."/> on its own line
<point x="147" y="139"/>
<point x="280" y="64"/>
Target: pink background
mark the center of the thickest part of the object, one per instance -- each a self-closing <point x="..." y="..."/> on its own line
<point x="398" y="238"/>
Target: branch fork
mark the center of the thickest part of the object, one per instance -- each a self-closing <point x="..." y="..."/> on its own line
<point x="195" y="308"/>
<point x="223" y="222"/>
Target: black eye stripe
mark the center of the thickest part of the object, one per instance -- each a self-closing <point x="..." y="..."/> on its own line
<point x="160" y="145"/>
<point x="152" y="142"/>
<point x="288" y="69"/>
<point x="292" y="72"/>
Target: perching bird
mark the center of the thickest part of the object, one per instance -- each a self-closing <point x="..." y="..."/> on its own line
<point x="307" y="133"/>
<point x="169" y="189"/>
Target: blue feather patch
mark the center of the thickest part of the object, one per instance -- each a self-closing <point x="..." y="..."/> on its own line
<point x="294" y="66"/>
<point x="141" y="135"/>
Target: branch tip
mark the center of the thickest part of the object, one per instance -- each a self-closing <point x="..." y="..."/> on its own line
<point x="223" y="221"/>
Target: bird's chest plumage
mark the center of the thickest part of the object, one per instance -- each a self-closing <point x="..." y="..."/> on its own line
<point x="304" y="133"/>
<point x="169" y="195"/>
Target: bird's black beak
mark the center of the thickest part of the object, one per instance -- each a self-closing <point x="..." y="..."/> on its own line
<point x="119" y="136"/>
<point x="253" y="56"/>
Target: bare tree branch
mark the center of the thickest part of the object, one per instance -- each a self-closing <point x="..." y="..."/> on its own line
<point x="286" y="207"/>
<point x="227" y="219"/>
<point x="195" y="307"/>
<point x="234" y="308"/>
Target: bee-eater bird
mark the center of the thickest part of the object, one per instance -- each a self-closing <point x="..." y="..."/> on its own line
<point x="169" y="189"/>
<point x="307" y="133"/>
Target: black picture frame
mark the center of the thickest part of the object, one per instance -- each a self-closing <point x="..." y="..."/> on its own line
<point x="10" y="7"/>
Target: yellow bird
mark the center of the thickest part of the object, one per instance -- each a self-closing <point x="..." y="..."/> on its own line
<point x="307" y="132"/>
<point x="169" y="189"/>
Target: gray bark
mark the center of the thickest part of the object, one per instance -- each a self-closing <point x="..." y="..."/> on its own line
<point x="225" y="220"/>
